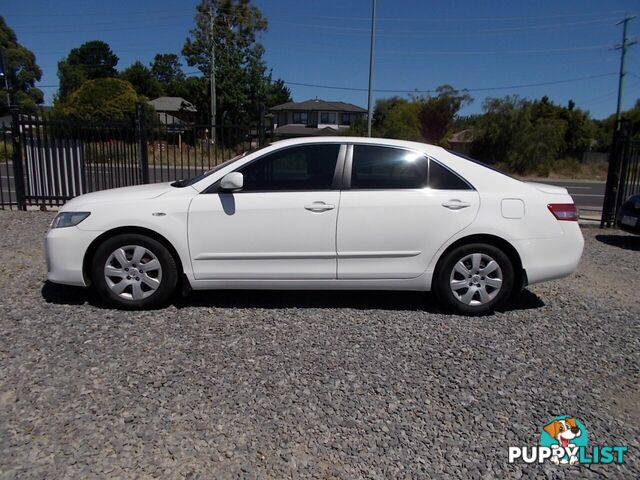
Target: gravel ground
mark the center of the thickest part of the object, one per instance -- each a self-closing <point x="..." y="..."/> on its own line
<point x="301" y="385"/>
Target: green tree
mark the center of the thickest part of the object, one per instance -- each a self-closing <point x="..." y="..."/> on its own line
<point x="230" y="28"/>
<point x="397" y="117"/>
<point x="90" y="61"/>
<point x="166" y="68"/>
<point x="436" y="114"/>
<point x="21" y="71"/>
<point x="143" y="81"/>
<point x="102" y="99"/>
<point x="604" y="128"/>
<point x="519" y="135"/>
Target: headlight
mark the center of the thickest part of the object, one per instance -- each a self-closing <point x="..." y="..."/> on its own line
<point x="69" y="219"/>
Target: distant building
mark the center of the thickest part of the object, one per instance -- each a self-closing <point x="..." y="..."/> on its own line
<point x="314" y="117"/>
<point x="462" y="141"/>
<point x="174" y="110"/>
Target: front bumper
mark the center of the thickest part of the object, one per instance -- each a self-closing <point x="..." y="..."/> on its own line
<point x="65" y="249"/>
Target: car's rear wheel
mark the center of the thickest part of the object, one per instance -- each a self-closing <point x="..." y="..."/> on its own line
<point x="474" y="279"/>
<point x="134" y="271"/>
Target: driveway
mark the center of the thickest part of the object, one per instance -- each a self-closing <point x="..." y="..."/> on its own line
<point x="312" y="385"/>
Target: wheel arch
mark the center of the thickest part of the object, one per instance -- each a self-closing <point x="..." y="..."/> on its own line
<point x="91" y="250"/>
<point x="520" y="280"/>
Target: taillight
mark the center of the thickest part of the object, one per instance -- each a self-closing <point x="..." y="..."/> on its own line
<point x="564" y="211"/>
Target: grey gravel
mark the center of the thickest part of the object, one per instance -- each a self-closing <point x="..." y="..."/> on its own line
<point x="311" y="384"/>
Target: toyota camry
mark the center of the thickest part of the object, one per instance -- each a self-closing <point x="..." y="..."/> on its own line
<point x="335" y="213"/>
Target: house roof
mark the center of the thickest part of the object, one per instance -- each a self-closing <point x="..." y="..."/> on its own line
<point x="463" y="136"/>
<point x="317" y="104"/>
<point x="302" y="131"/>
<point x="172" y="104"/>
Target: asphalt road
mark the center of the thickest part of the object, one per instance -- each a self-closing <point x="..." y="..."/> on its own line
<point x="586" y="194"/>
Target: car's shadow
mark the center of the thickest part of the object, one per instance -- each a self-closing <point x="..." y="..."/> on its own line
<point x="627" y="242"/>
<point x="274" y="299"/>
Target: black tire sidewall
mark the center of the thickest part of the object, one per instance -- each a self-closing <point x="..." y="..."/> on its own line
<point x="443" y="272"/>
<point x="167" y="262"/>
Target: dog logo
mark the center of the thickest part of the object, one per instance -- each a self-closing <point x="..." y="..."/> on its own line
<point x="563" y="441"/>
<point x="569" y="434"/>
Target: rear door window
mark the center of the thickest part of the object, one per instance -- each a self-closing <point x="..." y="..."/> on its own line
<point x="382" y="168"/>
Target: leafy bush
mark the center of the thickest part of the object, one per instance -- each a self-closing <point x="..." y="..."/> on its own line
<point x="103" y="99"/>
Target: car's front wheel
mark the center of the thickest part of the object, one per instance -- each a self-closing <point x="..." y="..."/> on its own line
<point x="134" y="271"/>
<point x="474" y="279"/>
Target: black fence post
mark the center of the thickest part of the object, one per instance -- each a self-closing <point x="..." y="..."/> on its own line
<point x="143" y="159"/>
<point x="18" y="169"/>
<point x="613" y="176"/>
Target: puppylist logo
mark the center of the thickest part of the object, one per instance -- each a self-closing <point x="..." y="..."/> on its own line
<point x="564" y="441"/>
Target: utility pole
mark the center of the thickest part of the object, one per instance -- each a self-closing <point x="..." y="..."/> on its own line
<point x="212" y="74"/>
<point x="616" y="162"/>
<point x="373" y="36"/>
<point x="623" y="53"/>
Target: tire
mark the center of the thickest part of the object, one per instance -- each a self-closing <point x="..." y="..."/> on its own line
<point x="148" y="284"/>
<point x="463" y="283"/>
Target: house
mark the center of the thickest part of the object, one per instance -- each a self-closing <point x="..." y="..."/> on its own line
<point x="173" y="109"/>
<point x="462" y="141"/>
<point x="314" y="117"/>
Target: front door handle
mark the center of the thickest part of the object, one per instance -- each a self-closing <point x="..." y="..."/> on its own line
<point x="319" y="207"/>
<point x="455" y="204"/>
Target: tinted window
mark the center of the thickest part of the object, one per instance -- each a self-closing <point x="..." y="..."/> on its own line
<point x="441" y="178"/>
<point x="385" y="168"/>
<point x="308" y="167"/>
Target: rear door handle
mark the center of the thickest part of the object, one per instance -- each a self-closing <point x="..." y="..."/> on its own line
<point x="319" y="207"/>
<point x="455" y="204"/>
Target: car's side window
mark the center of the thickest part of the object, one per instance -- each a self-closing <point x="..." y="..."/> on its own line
<point x="440" y="178"/>
<point x="376" y="167"/>
<point x="306" y="167"/>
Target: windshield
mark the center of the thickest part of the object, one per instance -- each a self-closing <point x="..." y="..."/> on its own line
<point x="190" y="181"/>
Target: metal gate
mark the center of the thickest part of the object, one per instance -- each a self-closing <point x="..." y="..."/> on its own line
<point x="623" y="178"/>
<point x="45" y="161"/>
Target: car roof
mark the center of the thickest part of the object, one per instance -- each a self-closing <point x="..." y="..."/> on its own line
<point x="424" y="147"/>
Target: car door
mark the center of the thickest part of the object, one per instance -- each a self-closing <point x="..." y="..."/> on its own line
<point x="280" y="225"/>
<point x="397" y="210"/>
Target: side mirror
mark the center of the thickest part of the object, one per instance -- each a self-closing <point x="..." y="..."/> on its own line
<point x="232" y="181"/>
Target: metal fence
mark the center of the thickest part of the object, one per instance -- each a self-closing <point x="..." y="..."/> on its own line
<point x="623" y="178"/>
<point x="46" y="161"/>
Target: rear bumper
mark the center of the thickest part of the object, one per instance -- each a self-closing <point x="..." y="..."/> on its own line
<point x="547" y="259"/>
<point x="65" y="249"/>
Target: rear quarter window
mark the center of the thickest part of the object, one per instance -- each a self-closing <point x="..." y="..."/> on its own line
<point x="441" y="178"/>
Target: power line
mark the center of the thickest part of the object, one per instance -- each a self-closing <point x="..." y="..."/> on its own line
<point x="342" y="29"/>
<point x="480" y="89"/>
<point x="175" y="12"/>
<point x="386" y="90"/>
<point x="466" y="32"/>
<point x="397" y="53"/>
<point x="479" y="19"/>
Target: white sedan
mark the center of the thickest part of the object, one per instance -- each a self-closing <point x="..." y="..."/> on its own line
<point x="335" y="213"/>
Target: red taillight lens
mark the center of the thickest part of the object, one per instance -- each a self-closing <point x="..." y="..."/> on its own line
<point x="564" y="211"/>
